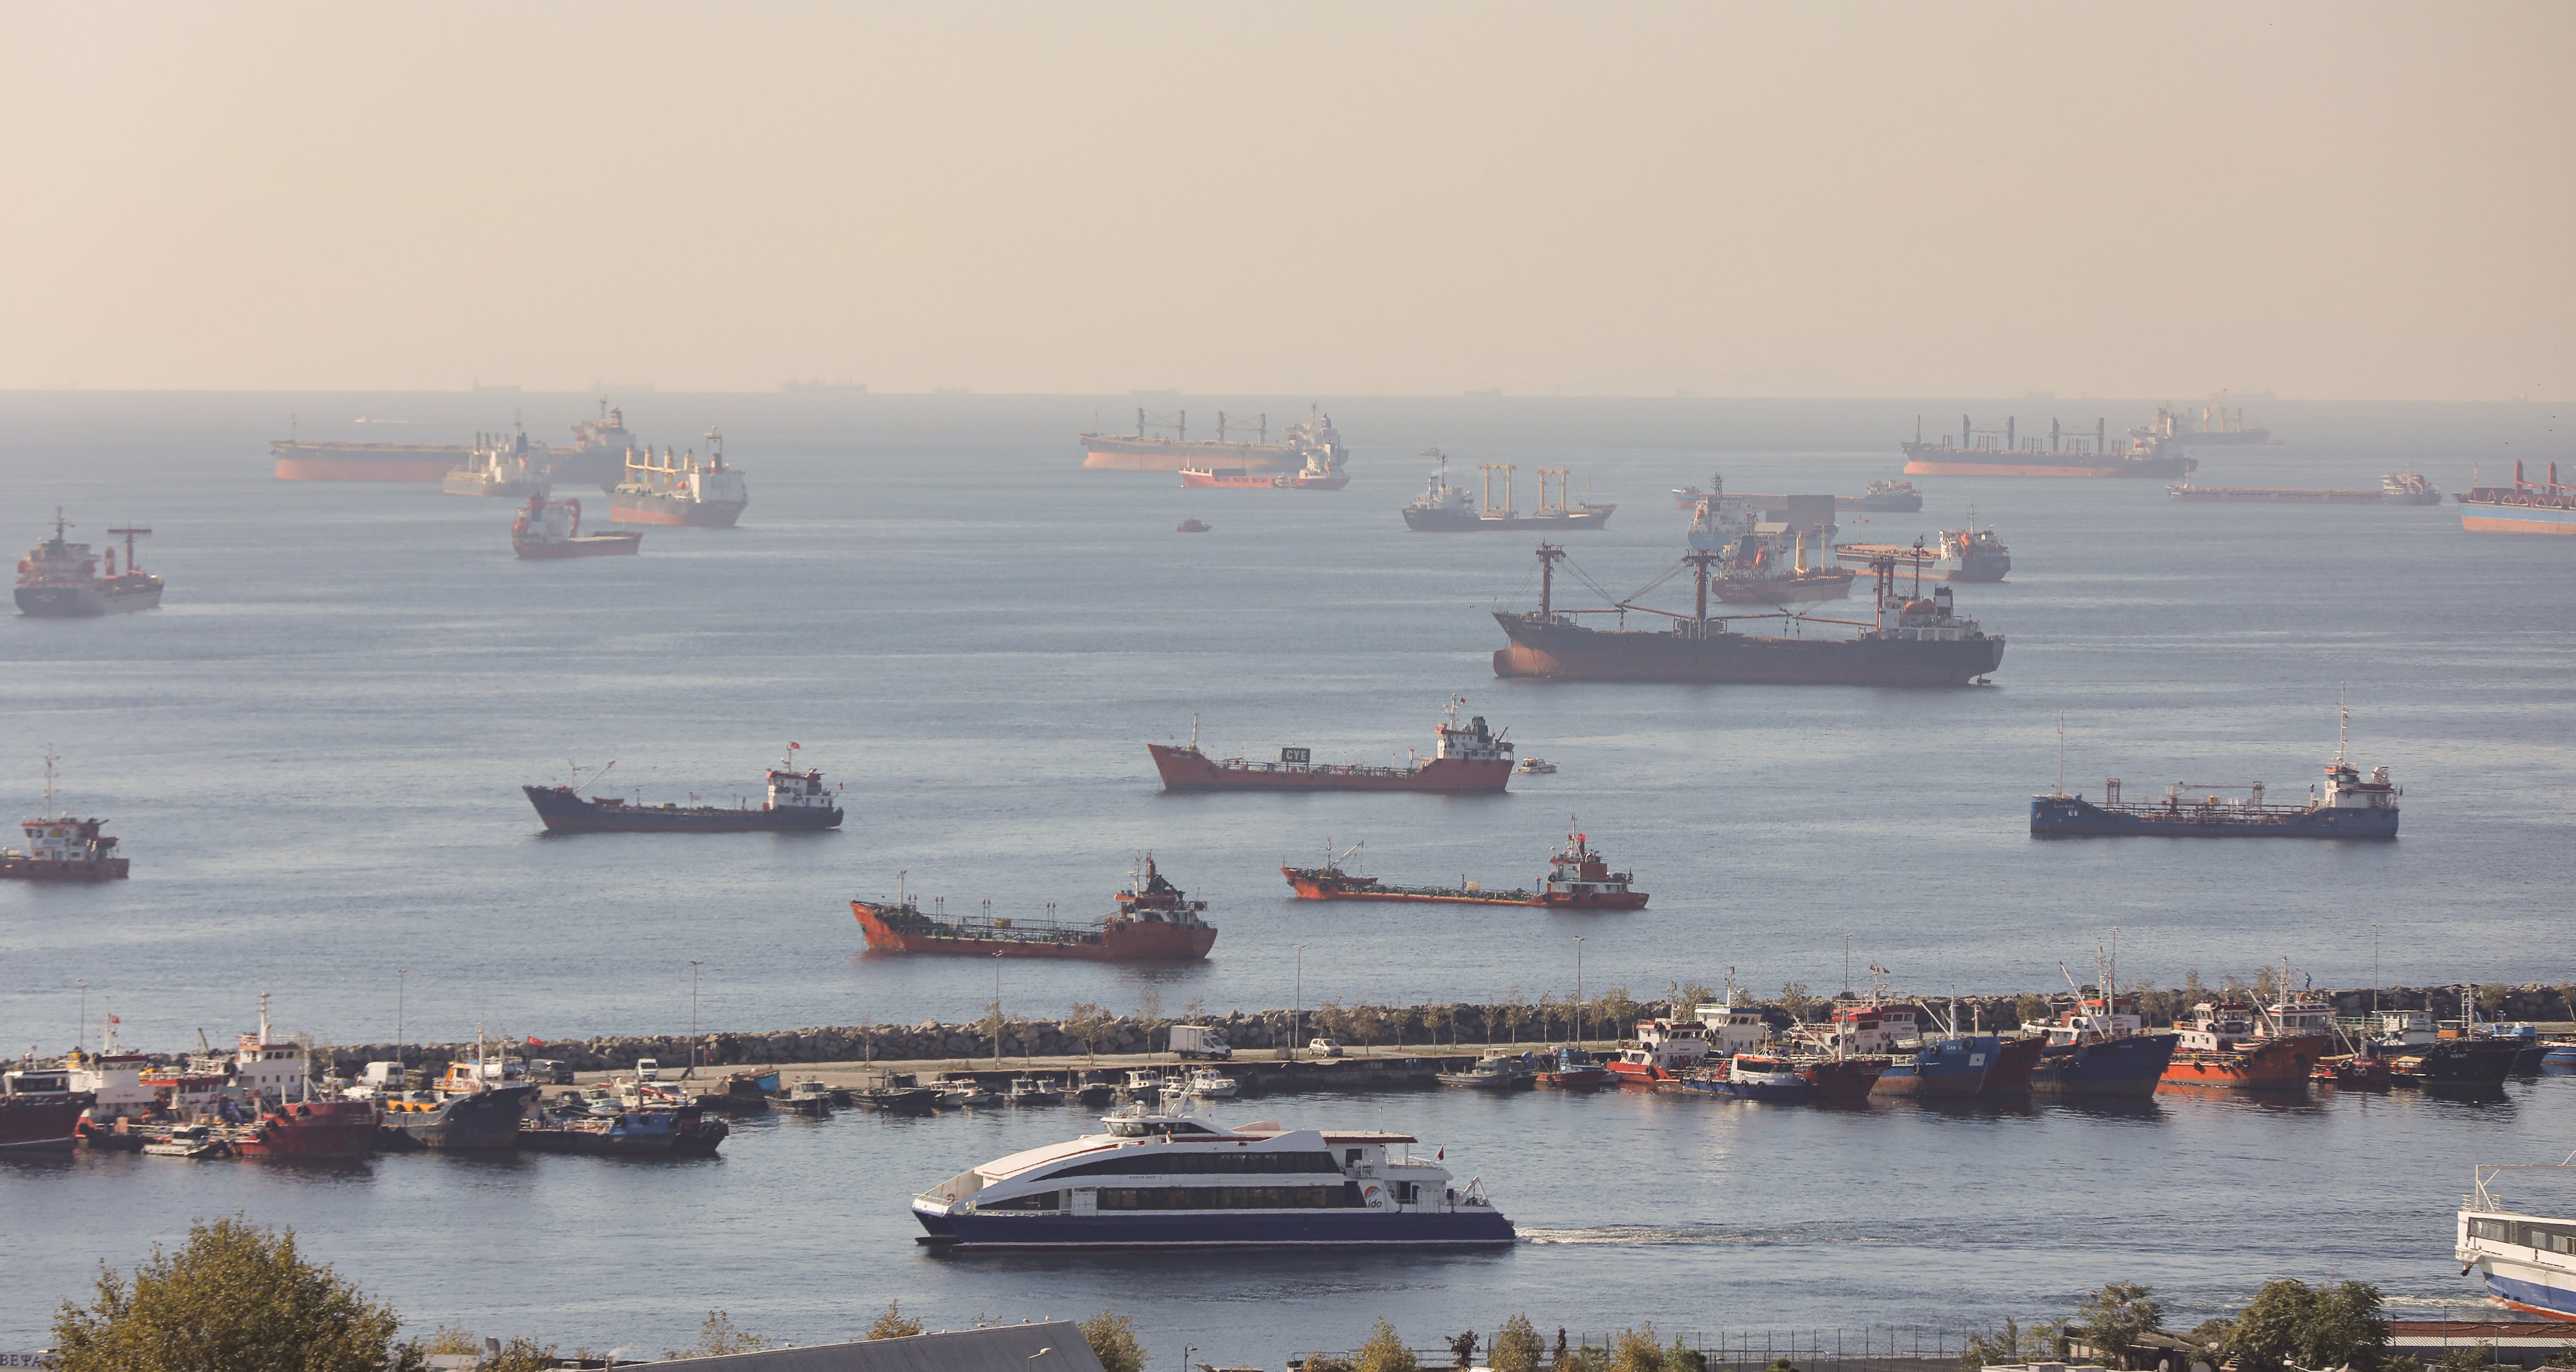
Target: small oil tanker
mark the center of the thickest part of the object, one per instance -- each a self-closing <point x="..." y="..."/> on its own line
<point x="1578" y="878"/>
<point x="1155" y="922"/>
<point x="797" y="801"/>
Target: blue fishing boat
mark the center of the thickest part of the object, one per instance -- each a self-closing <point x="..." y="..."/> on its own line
<point x="1953" y="1066"/>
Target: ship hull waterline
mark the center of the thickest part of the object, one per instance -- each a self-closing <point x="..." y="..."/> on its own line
<point x="2063" y="817"/>
<point x="1184" y="770"/>
<point x="1359" y="1228"/>
<point x="565" y="813"/>
<point x="1550" y="650"/>
<point x="1129" y="942"/>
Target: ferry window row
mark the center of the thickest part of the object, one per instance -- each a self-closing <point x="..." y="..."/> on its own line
<point x="1160" y="1163"/>
<point x="2550" y="1239"/>
<point x="1224" y="1197"/>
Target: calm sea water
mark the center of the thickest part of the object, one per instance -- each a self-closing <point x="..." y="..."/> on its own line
<point x="312" y="754"/>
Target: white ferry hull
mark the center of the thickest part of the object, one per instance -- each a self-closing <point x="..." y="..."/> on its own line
<point x="2529" y="1286"/>
<point x="1356" y="1226"/>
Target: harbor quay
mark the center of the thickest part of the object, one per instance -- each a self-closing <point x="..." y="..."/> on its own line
<point x="1367" y="1031"/>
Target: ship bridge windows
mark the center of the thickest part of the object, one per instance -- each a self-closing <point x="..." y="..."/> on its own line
<point x="1162" y="1163"/>
<point x="2499" y="1231"/>
<point x="2552" y="1238"/>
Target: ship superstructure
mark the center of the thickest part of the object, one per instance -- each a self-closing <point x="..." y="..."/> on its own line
<point x="1913" y="641"/>
<point x="60" y="579"/>
<point x="2525" y="507"/>
<point x="1154" y="921"/>
<point x="1467" y="757"/>
<point x="599" y="450"/>
<point x="2003" y="452"/>
<point x="1969" y="554"/>
<point x="1766" y="561"/>
<point x="548" y="529"/>
<point x="1578" y="878"/>
<point x="2345" y="807"/>
<point x="497" y="465"/>
<point x="680" y="490"/>
<point x="795" y="800"/>
<point x="2214" y="426"/>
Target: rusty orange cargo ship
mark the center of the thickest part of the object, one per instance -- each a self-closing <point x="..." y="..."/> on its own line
<point x="2233" y="1046"/>
<point x="1578" y="878"/>
<point x="1155" y="922"/>
<point x="1470" y="757"/>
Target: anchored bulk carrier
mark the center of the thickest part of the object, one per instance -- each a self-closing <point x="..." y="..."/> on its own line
<point x="1313" y="443"/>
<point x="1469" y="757"/>
<point x="497" y="466"/>
<point x="2395" y="488"/>
<point x="1764" y="560"/>
<point x="1912" y="642"/>
<point x="1443" y="508"/>
<point x="2001" y="452"/>
<point x="1155" y="922"/>
<point x="596" y="454"/>
<point x="1578" y="878"/>
<point x="59" y="579"/>
<point x="797" y="801"/>
<point x="2525" y="507"/>
<point x="1892" y="497"/>
<point x="678" y="490"/>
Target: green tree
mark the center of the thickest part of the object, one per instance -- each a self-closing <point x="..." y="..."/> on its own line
<point x="1633" y="1350"/>
<point x="234" y="1298"/>
<point x="1681" y="1357"/>
<point x="1794" y="1000"/>
<point x="1515" y="1014"/>
<point x="1149" y="1006"/>
<point x="2030" y="1009"/>
<point x="1112" y="1337"/>
<point x="1463" y="1348"/>
<point x="1384" y="1352"/>
<point x="717" y="1337"/>
<point x="521" y="1355"/>
<point x="894" y="1324"/>
<point x="1617" y="1011"/>
<point x="2113" y="1318"/>
<point x="2193" y="992"/>
<point x="1090" y="1023"/>
<point x="1369" y="1022"/>
<point x="2477" y="1357"/>
<point x="453" y="1339"/>
<point x="2491" y="998"/>
<point x="2290" y="1322"/>
<point x="1517" y="1347"/>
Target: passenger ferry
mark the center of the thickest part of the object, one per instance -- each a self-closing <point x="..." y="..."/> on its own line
<point x="1163" y="1180"/>
<point x="2527" y="1261"/>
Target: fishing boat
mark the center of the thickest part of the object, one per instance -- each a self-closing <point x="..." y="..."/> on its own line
<point x="1663" y="1050"/>
<point x="1160" y="1180"/>
<point x="2100" y="1047"/>
<point x="188" y="1141"/>
<point x="1038" y="1091"/>
<point x="2235" y="1045"/>
<point x="629" y="1134"/>
<point x="1572" y="1069"/>
<point x="1492" y="1072"/>
<point x="1206" y="1083"/>
<point x="1746" y="1076"/>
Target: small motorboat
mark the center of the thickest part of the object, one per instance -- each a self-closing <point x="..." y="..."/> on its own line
<point x="1493" y="1072"/>
<point x="188" y="1141"/>
<point x="964" y="1093"/>
<point x="809" y="1098"/>
<point x="2362" y="1070"/>
<point x="1033" y="1091"/>
<point x="1535" y="766"/>
<point x="897" y="1100"/>
<point x="1572" y="1070"/>
<point x="1193" y="526"/>
<point x="1206" y="1084"/>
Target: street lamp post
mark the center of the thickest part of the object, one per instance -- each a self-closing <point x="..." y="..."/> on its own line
<point x="399" y="974"/>
<point x="81" y="1038"/>
<point x="997" y="1011"/>
<point x="693" y="1019"/>
<point x="1297" y="1024"/>
<point x="1578" y="990"/>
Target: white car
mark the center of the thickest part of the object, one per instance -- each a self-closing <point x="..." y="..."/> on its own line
<point x="1323" y="1048"/>
<point x="648" y="1069"/>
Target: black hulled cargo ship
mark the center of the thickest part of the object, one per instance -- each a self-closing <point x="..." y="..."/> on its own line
<point x="1914" y="641"/>
<point x="797" y="801"/>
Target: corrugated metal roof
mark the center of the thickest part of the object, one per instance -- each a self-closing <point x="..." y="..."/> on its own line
<point x="1004" y="1348"/>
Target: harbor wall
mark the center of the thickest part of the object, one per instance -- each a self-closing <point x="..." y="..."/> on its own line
<point x="1457" y="1027"/>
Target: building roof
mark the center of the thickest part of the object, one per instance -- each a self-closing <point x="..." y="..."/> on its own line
<point x="1003" y="1348"/>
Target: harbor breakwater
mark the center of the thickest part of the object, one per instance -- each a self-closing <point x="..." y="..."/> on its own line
<point x="1444" y="1027"/>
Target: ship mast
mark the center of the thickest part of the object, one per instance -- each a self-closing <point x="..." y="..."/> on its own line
<point x="1699" y="560"/>
<point x="1548" y="554"/>
<point x="2343" y="732"/>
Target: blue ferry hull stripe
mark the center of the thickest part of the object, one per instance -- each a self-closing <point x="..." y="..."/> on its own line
<point x="2534" y="1294"/>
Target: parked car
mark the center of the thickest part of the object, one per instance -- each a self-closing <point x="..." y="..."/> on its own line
<point x="549" y="1072"/>
<point x="1323" y="1048"/>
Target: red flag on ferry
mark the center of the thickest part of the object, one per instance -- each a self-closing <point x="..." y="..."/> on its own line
<point x="1443" y="1154"/>
<point x="535" y="1042"/>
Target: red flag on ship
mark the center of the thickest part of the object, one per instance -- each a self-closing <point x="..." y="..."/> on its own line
<point x="535" y="1042"/>
<point x="113" y="1019"/>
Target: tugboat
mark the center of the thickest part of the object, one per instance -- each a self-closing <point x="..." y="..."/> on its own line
<point x="1192" y="526"/>
<point x="59" y="579"/>
<point x="1470" y="758"/>
<point x="678" y="491"/>
<point x="1578" y="878"/>
<point x="1572" y="1069"/>
<point x="552" y="528"/>
<point x="61" y="848"/>
<point x="798" y="801"/>
<point x="510" y="469"/>
<point x="1159" y="1180"/>
<point x="2350" y="808"/>
<point x="1155" y="922"/>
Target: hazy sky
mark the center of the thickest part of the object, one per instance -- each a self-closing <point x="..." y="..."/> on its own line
<point x="2336" y="200"/>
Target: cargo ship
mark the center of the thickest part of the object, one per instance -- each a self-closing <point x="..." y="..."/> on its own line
<point x="2216" y="426"/>
<point x="1891" y="497"/>
<point x="2348" y="808"/>
<point x="548" y="529"/>
<point x="1313" y="443"/>
<point x="1969" y="554"/>
<point x="498" y="466"/>
<point x="596" y="455"/>
<point x="2234" y="1045"/>
<point x="678" y="490"/>
<point x="688" y="1132"/>
<point x="1912" y="642"/>
<point x="797" y="801"/>
<point x="2000" y="452"/>
<point x="276" y="1074"/>
<point x="2525" y="507"/>
<point x="1578" y="878"/>
<point x="2101" y="1047"/>
<point x="1314" y="476"/>
<point x="61" y="848"/>
<point x="1764" y="562"/>
<point x="39" y="1110"/>
<point x="59" y="579"/>
<point x="1467" y="757"/>
<point x="2395" y="488"/>
<point x="1155" y="922"/>
<point x="1443" y="508"/>
<point x="1157" y="1180"/>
